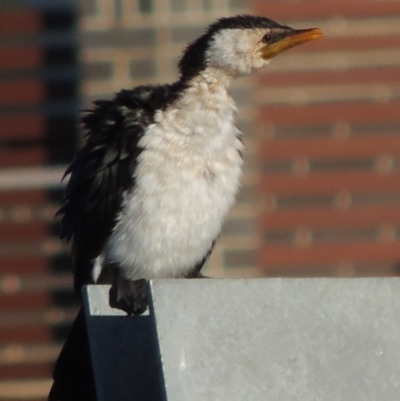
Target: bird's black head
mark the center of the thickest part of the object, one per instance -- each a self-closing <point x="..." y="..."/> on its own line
<point x="240" y="44"/>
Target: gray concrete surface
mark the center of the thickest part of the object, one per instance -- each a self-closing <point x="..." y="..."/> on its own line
<point x="262" y="339"/>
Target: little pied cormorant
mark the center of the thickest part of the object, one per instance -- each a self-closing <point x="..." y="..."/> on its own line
<point x="160" y="169"/>
<point x="151" y="187"/>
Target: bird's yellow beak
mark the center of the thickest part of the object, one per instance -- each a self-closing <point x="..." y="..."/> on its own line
<point x="292" y="38"/>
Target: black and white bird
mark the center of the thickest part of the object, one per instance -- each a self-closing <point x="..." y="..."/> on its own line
<point x="161" y="166"/>
<point x="150" y="189"/>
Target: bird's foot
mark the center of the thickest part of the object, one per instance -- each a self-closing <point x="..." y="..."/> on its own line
<point x="129" y="295"/>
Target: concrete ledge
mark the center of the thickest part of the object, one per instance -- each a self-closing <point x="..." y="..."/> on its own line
<point x="251" y="339"/>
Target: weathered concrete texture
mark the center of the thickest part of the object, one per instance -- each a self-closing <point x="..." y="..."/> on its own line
<point x="276" y="339"/>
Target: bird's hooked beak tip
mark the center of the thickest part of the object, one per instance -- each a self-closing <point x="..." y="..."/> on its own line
<point x="294" y="37"/>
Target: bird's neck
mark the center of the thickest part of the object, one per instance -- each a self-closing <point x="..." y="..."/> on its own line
<point x="204" y="110"/>
<point x="206" y="101"/>
<point x="207" y="94"/>
<point x="213" y="77"/>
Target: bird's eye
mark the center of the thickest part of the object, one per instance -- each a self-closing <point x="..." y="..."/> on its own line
<point x="266" y="38"/>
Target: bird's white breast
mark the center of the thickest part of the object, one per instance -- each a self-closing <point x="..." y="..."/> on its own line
<point x="185" y="183"/>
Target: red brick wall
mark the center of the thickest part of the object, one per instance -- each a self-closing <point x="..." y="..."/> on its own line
<point x="329" y="129"/>
<point x="31" y="277"/>
<point x="16" y="226"/>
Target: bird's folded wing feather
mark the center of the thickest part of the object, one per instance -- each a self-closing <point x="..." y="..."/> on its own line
<point x="99" y="175"/>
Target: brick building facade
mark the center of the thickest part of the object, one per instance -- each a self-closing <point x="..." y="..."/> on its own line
<point x="321" y="188"/>
<point x="329" y="124"/>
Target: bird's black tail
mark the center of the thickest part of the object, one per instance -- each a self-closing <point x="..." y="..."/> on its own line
<point x="73" y="375"/>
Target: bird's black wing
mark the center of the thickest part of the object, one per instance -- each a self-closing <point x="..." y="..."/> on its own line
<point x="103" y="170"/>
